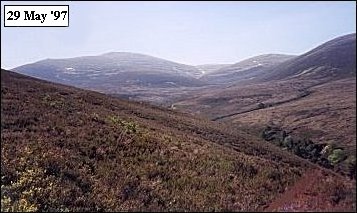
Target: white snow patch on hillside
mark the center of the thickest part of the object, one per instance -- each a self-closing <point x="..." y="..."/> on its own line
<point x="201" y="70"/>
<point x="304" y="72"/>
<point x="70" y="70"/>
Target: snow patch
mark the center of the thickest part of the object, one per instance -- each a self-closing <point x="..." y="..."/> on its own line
<point x="170" y="82"/>
<point x="258" y="64"/>
<point x="94" y="74"/>
<point x="70" y="70"/>
<point x="304" y="72"/>
<point x="201" y="70"/>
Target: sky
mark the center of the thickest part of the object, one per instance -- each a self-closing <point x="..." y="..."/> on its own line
<point x="185" y="32"/>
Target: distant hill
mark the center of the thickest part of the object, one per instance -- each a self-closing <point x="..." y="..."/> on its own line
<point x="112" y="70"/>
<point x="245" y="70"/>
<point x="332" y="60"/>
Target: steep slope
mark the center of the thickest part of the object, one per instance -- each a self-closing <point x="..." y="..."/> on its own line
<point x="246" y="70"/>
<point x="124" y="73"/>
<point x="67" y="149"/>
<point x="334" y="59"/>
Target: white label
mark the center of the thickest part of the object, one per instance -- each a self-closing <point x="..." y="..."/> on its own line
<point x="36" y="15"/>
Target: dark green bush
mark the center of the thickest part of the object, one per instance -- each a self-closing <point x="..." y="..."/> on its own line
<point x="336" y="156"/>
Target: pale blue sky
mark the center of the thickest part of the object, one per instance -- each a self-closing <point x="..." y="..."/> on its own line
<point x="185" y="32"/>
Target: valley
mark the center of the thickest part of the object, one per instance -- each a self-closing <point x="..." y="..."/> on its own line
<point x="130" y="132"/>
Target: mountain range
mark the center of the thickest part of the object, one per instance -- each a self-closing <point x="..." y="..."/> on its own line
<point x="142" y="76"/>
<point x="221" y="91"/>
<point x="130" y="132"/>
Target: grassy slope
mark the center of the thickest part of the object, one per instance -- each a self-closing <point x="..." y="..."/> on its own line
<point x="69" y="149"/>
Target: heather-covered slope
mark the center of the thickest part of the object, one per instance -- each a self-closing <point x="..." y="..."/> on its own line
<point x="70" y="149"/>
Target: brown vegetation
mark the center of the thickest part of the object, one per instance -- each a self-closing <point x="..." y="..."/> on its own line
<point x="66" y="149"/>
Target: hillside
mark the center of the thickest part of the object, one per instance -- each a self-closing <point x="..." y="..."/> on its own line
<point x="67" y="149"/>
<point x="246" y="70"/>
<point x="312" y="96"/>
<point x="334" y="59"/>
<point x="327" y="109"/>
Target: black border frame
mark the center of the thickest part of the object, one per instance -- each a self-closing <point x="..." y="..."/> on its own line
<point x="37" y="5"/>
